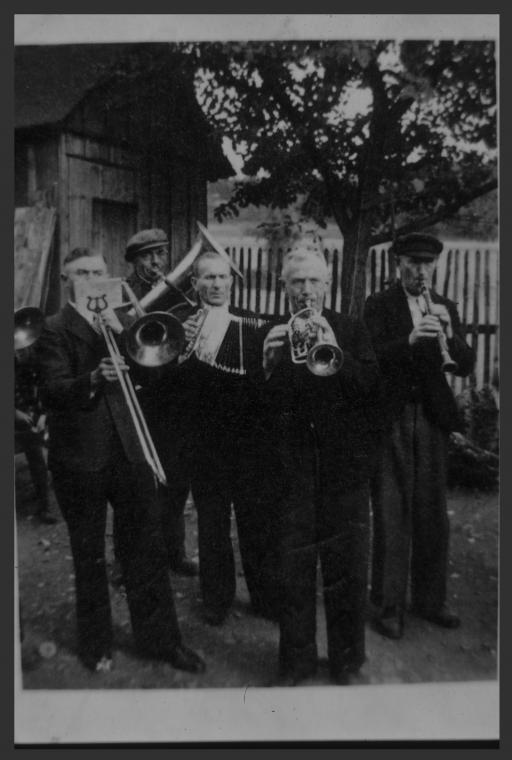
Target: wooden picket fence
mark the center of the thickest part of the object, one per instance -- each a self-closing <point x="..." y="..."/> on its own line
<point x="467" y="273"/>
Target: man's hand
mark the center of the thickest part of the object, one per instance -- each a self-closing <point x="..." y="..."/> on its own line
<point x="106" y="371"/>
<point x="428" y="328"/>
<point x="190" y="326"/>
<point x="273" y="348"/>
<point x="23" y="420"/>
<point x="326" y="334"/>
<point x="441" y="312"/>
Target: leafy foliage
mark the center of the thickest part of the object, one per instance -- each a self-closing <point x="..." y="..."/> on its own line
<point x="369" y="133"/>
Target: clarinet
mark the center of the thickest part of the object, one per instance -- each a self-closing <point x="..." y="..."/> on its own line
<point x="448" y="364"/>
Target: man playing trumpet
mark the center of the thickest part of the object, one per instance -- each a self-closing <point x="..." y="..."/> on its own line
<point x="320" y="430"/>
<point x="417" y="338"/>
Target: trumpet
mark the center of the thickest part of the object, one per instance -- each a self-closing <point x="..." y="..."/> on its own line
<point x="448" y="364"/>
<point x="308" y="347"/>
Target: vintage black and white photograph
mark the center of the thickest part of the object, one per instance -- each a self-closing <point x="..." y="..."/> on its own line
<point x="256" y="338"/>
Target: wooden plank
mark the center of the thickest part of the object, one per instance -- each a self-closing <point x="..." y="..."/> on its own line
<point x="456" y="274"/>
<point x="278" y="289"/>
<point x="268" y="287"/>
<point x="249" y="279"/>
<point x="34" y="227"/>
<point x="474" y="326"/>
<point x="259" y="275"/>
<point x="373" y="271"/>
<point x="241" y="287"/>
<point x="465" y="289"/>
<point x="334" y="279"/>
<point x="447" y="273"/>
<point x="487" y="307"/>
<point x="382" y="273"/>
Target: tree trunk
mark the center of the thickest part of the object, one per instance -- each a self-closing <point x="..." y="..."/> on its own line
<point x="356" y="244"/>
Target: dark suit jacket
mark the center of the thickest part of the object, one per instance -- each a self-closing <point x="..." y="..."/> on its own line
<point x="414" y="373"/>
<point x="196" y="405"/>
<point x="337" y="413"/>
<point x="83" y="428"/>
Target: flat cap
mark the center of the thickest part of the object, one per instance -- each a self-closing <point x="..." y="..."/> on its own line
<point x="418" y="245"/>
<point x="143" y="241"/>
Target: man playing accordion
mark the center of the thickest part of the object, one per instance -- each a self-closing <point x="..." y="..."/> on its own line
<point x="204" y="401"/>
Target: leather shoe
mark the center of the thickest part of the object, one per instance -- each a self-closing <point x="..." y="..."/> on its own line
<point x="46" y="518"/>
<point x="390" y="623"/>
<point x="443" y="617"/>
<point x="97" y="664"/>
<point x="185" y="566"/>
<point x="214" y="617"/>
<point x="295" y="675"/>
<point x="183" y="658"/>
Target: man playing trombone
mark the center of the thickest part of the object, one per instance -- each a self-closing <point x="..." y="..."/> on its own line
<point x="96" y="457"/>
<point x="417" y="337"/>
<point x="318" y="409"/>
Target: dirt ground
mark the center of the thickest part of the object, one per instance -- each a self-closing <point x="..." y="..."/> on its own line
<point x="243" y="651"/>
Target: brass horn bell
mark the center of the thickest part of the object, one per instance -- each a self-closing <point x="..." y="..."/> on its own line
<point x="155" y="339"/>
<point x="28" y="326"/>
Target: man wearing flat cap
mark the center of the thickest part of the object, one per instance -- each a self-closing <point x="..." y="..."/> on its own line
<point x="414" y="331"/>
<point x="148" y="252"/>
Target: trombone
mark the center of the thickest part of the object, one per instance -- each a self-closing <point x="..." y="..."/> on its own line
<point x="132" y="402"/>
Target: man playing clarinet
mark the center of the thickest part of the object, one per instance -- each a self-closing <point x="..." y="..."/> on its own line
<point x="417" y="337"/>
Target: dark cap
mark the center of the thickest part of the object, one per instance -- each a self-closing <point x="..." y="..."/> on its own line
<point x="144" y="241"/>
<point x="418" y="245"/>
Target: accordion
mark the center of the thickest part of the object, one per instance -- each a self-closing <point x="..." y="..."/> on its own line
<point x="223" y="339"/>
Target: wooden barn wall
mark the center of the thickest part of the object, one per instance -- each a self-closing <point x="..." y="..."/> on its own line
<point x="170" y="195"/>
<point x="36" y="171"/>
<point x="97" y="177"/>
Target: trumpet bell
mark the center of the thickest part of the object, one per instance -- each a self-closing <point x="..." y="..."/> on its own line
<point x="155" y="339"/>
<point x="324" y="359"/>
<point x="28" y="326"/>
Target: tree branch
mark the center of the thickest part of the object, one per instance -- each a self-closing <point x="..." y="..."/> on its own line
<point x="439" y="216"/>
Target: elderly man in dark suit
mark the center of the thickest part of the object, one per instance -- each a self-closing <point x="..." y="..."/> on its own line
<point x="96" y="457"/>
<point x="409" y="323"/>
<point x="321" y="431"/>
<point x="148" y="252"/>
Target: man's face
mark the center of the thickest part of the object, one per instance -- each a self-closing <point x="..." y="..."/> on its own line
<point x="306" y="283"/>
<point x="213" y="281"/>
<point x="152" y="264"/>
<point x="415" y="272"/>
<point x="82" y="270"/>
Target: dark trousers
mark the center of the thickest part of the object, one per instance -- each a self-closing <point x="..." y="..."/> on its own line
<point x="320" y="521"/>
<point x="221" y="479"/>
<point x="173" y="499"/>
<point x="82" y="498"/>
<point x="30" y="443"/>
<point x="410" y="521"/>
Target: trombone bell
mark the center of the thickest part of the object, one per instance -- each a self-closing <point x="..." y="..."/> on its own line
<point x="28" y="326"/>
<point x="155" y="339"/>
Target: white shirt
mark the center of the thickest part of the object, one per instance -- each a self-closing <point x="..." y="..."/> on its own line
<point x="417" y="307"/>
<point x="213" y="332"/>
